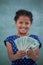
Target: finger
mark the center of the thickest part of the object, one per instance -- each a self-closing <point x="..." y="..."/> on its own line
<point x="29" y="51"/>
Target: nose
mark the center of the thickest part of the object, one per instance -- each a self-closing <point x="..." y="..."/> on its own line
<point x="23" y="25"/>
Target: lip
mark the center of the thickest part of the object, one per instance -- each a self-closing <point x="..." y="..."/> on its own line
<point x="23" y="29"/>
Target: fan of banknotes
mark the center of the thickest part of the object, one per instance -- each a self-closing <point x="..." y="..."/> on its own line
<point x="26" y="43"/>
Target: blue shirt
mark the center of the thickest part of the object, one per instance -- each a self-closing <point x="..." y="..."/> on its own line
<point x="22" y="61"/>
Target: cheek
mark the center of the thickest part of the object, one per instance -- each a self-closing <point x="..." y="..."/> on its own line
<point x="28" y="26"/>
<point x="18" y="27"/>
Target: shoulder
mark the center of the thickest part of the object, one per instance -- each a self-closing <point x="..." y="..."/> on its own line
<point x="34" y="36"/>
<point x="10" y="39"/>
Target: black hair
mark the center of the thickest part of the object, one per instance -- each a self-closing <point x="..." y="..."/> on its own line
<point x="25" y="13"/>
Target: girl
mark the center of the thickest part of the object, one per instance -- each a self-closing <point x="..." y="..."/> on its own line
<point x="23" y="20"/>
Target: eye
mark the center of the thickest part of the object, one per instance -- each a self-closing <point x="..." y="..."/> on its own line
<point x="27" y="23"/>
<point x="20" y="22"/>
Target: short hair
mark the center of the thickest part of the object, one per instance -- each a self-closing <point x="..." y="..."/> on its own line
<point x="23" y="13"/>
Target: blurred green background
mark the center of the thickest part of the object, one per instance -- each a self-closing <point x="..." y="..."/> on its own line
<point x="7" y="25"/>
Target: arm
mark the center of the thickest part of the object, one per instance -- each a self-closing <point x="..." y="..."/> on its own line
<point x="12" y="56"/>
<point x="34" y="55"/>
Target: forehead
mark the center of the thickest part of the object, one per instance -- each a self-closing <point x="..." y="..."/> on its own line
<point x="25" y="18"/>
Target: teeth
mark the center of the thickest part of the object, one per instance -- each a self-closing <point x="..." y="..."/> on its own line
<point x="23" y="29"/>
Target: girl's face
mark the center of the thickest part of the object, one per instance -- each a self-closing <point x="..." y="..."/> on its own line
<point x="23" y="24"/>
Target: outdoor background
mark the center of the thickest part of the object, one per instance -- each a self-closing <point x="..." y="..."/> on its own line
<point x="8" y="9"/>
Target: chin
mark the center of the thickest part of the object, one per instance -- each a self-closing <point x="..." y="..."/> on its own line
<point x="23" y="32"/>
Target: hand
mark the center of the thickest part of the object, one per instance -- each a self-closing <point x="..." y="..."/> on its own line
<point x="29" y="52"/>
<point x="21" y="54"/>
<point x="33" y="54"/>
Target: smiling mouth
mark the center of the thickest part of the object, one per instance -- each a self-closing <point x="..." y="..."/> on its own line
<point x="24" y="29"/>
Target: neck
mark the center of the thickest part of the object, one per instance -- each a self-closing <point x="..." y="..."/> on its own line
<point x="21" y="34"/>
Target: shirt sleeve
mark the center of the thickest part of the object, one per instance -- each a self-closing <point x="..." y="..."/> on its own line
<point x="37" y="38"/>
<point x="8" y="39"/>
<point x="38" y="41"/>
